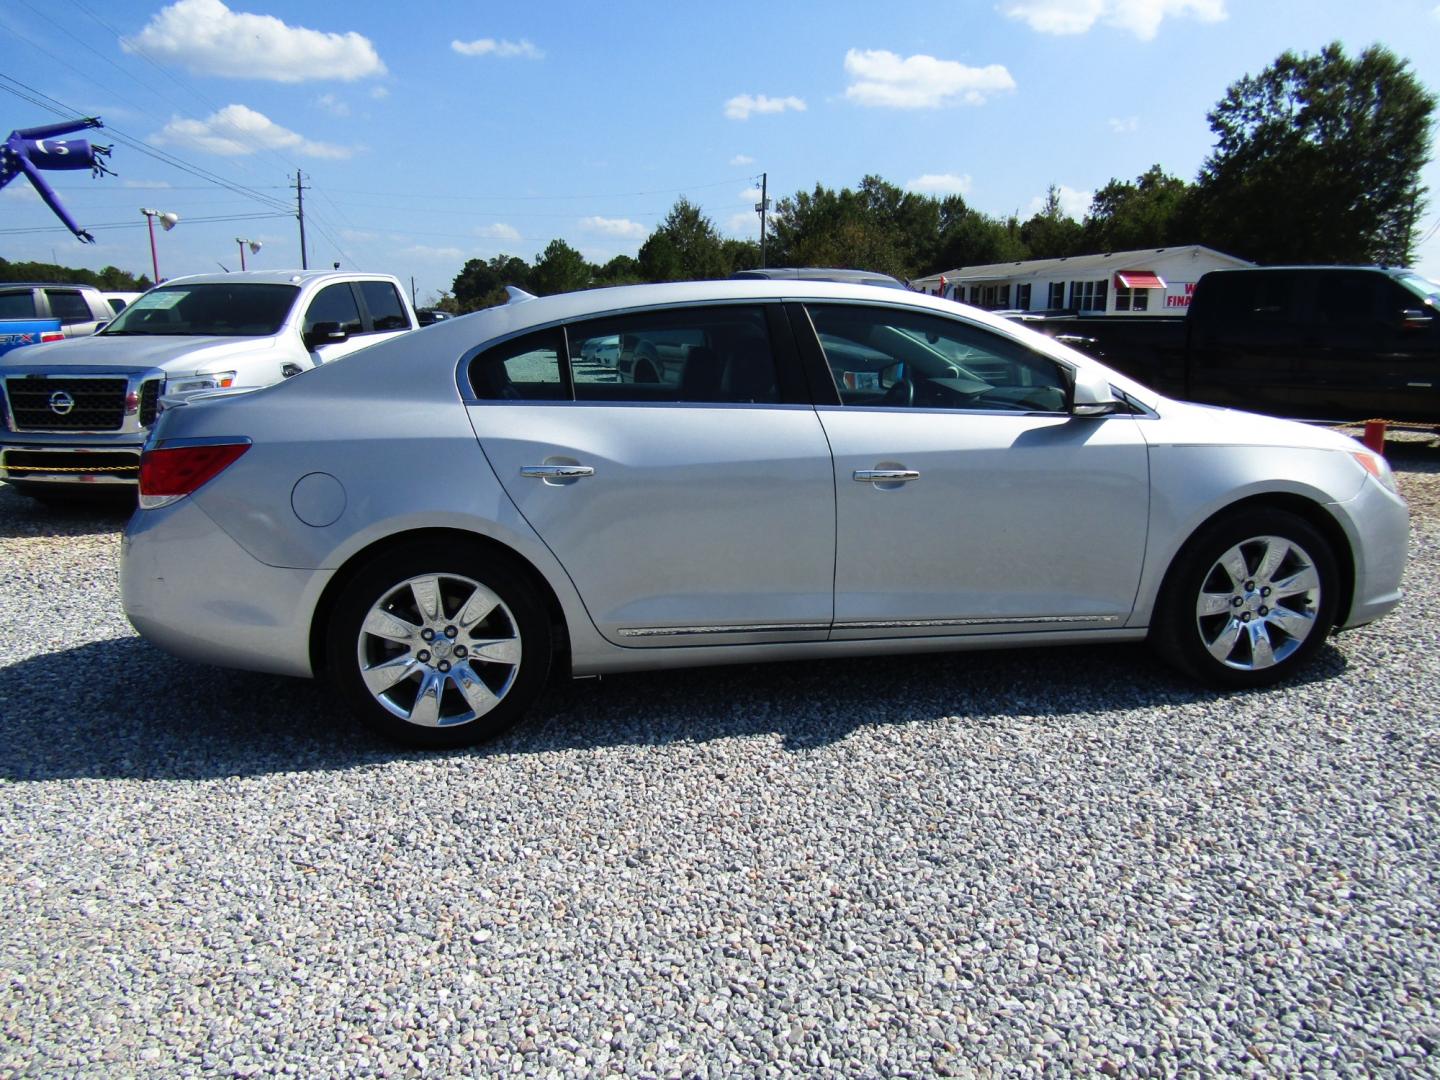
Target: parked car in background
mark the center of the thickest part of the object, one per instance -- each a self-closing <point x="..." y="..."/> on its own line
<point x="78" y="412"/>
<point x="1311" y="342"/>
<point x="443" y="520"/>
<point x="17" y="333"/>
<point x="119" y="301"/>
<point x="430" y="316"/>
<point x="822" y="273"/>
<point x="81" y="309"/>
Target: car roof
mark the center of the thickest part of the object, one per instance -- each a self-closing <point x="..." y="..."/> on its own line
<point x="272" y="277"/>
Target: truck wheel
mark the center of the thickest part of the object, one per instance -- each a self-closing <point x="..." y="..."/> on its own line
<point x="439" y="645"/>
<point x="1248" y="600"/>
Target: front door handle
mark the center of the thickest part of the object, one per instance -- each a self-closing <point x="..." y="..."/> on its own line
<point x="556" y="472"/>
<point x="886" y="476"/>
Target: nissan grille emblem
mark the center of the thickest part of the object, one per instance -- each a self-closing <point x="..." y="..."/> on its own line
<point x="61" y="403"/>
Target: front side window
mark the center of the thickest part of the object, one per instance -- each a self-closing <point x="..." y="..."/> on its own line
<point x="718" y="354"/>
<point x="220" y="310"/>
<point x="386" y="310"/>
<point x="526" y="368"/>
<point x="334" y="304"/>
<point x="899" y="358"/>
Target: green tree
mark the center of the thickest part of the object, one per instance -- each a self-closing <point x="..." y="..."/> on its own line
<point x="1318" y="160"/>
<point x="621" y="270"/>
<point x="481" y="283"/>
<point x="683" y="247"/>
<point x="560" y="268"/>
<point x="1151" y="212"/>
<point x="876" y="227"/>
<point x="1051" y="233"/>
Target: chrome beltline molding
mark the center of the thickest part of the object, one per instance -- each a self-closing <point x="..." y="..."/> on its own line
<point x="895" y="624"/>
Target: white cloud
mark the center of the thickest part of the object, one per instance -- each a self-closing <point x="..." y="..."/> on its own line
<point x="742" y="159"/>
<point x="1124" y="125"/>
<point x="941" y="184"/>
<point x="742" y="106"/>
<point x="333" y="105"/>
<point x="209" y="39"/>
<point x="744" y="223"/>
<point x="1073" y="204"/>
<point x="882" y="78"/>
<point x="503" y="49"/>
<point x="620" y="227"/>
<point x="423" y="251"/>
<point x="498" y="231"/>
<point x="236" y="130"/>
<point x="1141" y="17"/>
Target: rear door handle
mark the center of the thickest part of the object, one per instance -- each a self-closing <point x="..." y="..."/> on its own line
<point x="886" y="476"/>
<point x="556" y="472"/>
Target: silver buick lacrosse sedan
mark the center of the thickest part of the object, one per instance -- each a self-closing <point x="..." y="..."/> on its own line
<point x="720" y="472"/>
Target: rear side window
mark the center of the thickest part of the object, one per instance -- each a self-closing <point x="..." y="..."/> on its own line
<point x="525" y="368"/>
<point x="334" y="304"/>
<point x="386" y="310"/>
<point x="68" y="306"/>
<point x="704" y="355"/>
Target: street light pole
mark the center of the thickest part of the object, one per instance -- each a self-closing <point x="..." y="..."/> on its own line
<point x="167" y="222"/>
<point x="253" y="245"/>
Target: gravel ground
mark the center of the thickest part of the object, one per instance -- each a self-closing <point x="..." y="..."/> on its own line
<point x="1029" y="863"/>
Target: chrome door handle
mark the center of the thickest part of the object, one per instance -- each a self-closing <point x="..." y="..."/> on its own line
<point x="556" y="472"/>
<point x="886" y="476"/>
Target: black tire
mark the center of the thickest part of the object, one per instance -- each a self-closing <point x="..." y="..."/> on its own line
<point x="1256" y="617"/>
<point x="108" y="496"/>
<point x="450" y="666"/>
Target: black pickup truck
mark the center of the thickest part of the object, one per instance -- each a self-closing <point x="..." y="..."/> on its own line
<point x="1309" y="342"/>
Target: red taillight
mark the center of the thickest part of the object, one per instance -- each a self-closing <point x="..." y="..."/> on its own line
<point x="51" y="335"/>
<point x="172" y="472"/>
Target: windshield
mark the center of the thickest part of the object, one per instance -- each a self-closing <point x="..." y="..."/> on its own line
<point x="1421" y="287"/>
<point x="221" y="309"/>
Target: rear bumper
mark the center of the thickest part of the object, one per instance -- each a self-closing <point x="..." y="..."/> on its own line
<point x="190" y="589"/>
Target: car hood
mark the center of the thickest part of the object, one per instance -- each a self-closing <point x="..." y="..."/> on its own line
<point x="175" y="355"/>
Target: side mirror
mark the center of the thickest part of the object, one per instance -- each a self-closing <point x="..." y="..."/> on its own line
<point x="325" y="333"/>
<point x="1093" y="396"/>
<point x="1415" y="319"/>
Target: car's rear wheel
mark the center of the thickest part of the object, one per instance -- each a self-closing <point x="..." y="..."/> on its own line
<point x="439" y="645"/>
<point x="1249" y="600"/>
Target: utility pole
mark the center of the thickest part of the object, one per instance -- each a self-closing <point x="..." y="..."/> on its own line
<point x="300" y="214"/>
<point x="760" y="208"/>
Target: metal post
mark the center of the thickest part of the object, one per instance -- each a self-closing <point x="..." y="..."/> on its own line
<point x="300" y="213"/>
<point x="763" y="207"/>
<point x="242" y="253"/>
<point x="154" y="259"/>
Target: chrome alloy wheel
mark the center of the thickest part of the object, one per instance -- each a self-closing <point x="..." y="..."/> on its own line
<point x="439" y="650"/>
<point x="1258" y="603"/>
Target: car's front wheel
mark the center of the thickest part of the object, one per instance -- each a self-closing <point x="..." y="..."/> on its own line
<point x="1249" y="600"/>
<point x="439" y="645"/>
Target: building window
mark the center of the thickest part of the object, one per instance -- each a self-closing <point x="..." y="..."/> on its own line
<point x="1057" y="296"/>
<point x="1088" y="295"/>
<point x="1022" y="297"/>
<point x="1132" y="299"/>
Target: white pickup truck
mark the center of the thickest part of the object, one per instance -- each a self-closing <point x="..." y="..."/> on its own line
<point x="78" y="411"/>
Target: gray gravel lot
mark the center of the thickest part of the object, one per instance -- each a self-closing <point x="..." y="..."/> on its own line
<point x="1028" y="863"/>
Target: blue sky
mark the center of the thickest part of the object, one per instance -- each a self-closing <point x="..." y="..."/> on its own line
<point x="430" y="133"/>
